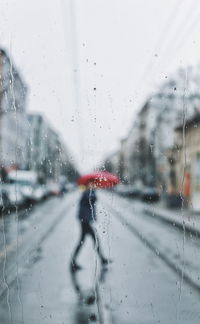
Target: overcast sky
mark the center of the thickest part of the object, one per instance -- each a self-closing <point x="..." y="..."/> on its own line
<point x="90" y="64"/>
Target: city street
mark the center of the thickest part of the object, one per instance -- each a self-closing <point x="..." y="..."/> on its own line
<point x="152" y="278"/>
<point x="99" y="162"/>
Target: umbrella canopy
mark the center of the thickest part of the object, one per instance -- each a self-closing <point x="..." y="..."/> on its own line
<point x="100" y="179"/>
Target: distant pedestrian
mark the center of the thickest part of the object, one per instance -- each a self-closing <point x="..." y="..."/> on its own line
<point x="86" y="216"/>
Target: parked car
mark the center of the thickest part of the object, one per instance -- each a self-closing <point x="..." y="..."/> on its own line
<point x="53" y="189"/>
<point x="24" y="182"/>
<point x="134" y="192"/>
<point x="150" y="194"/>
<point x="39" y="193"/>
<point x="14" y="195"/>
<point x="70" y="186"/>
<point x="4" y="199"/>
<point x="128" y="190"/>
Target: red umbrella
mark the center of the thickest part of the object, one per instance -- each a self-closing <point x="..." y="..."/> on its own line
<point x="100" y="179"/>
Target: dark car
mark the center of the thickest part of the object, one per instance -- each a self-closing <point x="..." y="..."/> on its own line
<point x="150" y="194"/>
<point x="128" y="190"/>
<point x="4" y="197"/>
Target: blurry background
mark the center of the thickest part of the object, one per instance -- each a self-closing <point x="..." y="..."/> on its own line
<point x="89" y="66"/>
<point x="110" y="85"/>
<point x="97" y="84"/>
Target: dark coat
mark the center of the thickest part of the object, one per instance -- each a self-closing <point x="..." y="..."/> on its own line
<point x="87" y="210"/>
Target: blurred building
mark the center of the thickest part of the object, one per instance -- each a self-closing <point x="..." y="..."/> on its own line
<point x="185" y="161"/>
<point x="46" y="151"/>
<point x="123" y="161"/>
<point x="145" y="155"/>
<point x="131" y="155"/>
<point x="112" y="163"/>
<point x="37" y="146"/>
<point x="13" y="121"/>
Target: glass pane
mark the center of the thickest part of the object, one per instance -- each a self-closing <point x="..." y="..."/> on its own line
<point x="99" y="162"/>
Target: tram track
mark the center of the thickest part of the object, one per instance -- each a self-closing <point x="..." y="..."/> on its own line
<point x="150" y="232"/>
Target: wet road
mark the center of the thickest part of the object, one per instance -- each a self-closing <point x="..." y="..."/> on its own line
<point x="147" y="282"/>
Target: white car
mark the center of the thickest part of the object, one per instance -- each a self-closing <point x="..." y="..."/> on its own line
<point x="14" y="195"/>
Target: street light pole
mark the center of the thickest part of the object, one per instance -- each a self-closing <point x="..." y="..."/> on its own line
<point x="1" y="110"/>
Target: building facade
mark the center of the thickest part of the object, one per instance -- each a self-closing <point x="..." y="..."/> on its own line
<point x="46" y="152"/>
<point x="13" y="120"/>
<point x="185" y="162"/>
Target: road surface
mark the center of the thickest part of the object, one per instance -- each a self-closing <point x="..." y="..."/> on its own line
<point x="153" y="277"/>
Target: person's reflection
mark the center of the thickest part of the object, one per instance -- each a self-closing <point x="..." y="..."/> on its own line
<point x="87" y="309"/>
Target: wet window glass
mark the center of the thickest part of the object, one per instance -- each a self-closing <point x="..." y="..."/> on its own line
<point x="99" y="161"/>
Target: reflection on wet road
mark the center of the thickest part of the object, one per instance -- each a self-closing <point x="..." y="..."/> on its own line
<point x="89" y="306"/>
<point x="137" y="287"/>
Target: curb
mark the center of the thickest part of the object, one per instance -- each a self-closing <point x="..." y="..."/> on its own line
<point x="183" y="226"/>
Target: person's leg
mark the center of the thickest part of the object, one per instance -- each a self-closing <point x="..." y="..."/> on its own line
<point x="95" y="238"/>
<point x="79" y="245"/>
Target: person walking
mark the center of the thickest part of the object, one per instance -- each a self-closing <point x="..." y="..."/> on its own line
<point x="87" y="216"/>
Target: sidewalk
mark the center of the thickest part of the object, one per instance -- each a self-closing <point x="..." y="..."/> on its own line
<point x="181" y="218"/>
